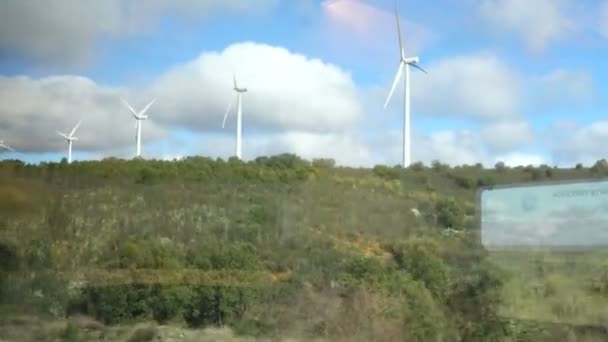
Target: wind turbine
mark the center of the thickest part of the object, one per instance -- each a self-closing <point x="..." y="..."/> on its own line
<point x="70" y="139"/>
<point x="139" y="116"/>
<point x="3" y="145"/>
<point x="404" y="63"/>
<point x="239" y="92"/>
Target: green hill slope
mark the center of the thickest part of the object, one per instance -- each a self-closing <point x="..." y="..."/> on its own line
<point x="277" y="247"/>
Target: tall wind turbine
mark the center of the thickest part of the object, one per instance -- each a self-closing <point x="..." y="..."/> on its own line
<point x="4" y="146"/>
<point x="139" y="116"/>
<point x="70" y="139"/>
<point x="239" y="92"/>
<point x="404" y="62"/>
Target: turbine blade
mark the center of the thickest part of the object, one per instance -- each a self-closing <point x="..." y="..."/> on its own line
<point x="75" y="128"/>
<point x="419" y="68"/>
<point x="63" y="135"/>
<point x="226" y="115"/>
<point x="130" y="108"/>
<point x="401" y="50"/>
<point x="397" y="77"/>
<point x="234" y="80"/>
<point x="143" y="111"/>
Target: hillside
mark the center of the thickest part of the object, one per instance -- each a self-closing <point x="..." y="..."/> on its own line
<point x="274" y="248"/>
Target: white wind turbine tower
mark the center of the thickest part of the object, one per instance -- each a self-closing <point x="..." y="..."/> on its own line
<point x="5" y="146"/>
<point x="239" y="92"/>
<point x="139" y="116"/>
<point x="70" y="139"/>
<point x="404" y="62"/>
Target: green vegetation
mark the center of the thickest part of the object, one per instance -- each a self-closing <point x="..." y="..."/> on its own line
<point x="278" y="247"/>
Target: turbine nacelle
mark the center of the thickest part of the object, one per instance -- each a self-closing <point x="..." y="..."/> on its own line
<point x="70" y="137"/>
<point x="236" y="87"/>
<point x="141" y="115"/>
<point x="410" y="60"/>
<point x="67" y="137"/>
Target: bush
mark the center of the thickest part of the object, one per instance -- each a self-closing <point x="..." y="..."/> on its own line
<point x="486" y="181"/>
<point x="324" y="163"/>
<point x="144" y="334"/>
<point x="449" y="214"/>
<point x="386" y="172"/>
<point x="465" y="182"/>
<point x="419" y="257"/>
<point x="417" y="166"/>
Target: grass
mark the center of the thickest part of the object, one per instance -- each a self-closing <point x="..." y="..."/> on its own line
<point x="559" y="287"/>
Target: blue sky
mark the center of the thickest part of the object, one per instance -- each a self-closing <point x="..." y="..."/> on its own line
<point x="513" y="80"/>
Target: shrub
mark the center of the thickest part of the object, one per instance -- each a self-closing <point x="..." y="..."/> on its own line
<point x="144" y="334"/>
<point x="386" y="172"/>
<point x="419" y="257"/>
<point x="449" y="214"/>
<point x="465" y="182"/>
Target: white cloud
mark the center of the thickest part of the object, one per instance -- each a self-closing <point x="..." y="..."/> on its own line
<point x="476" y="85"/>
<point x="65" y="31"/>
<point x="33" y="109"/>
<point x="285" y="91"/>
<point x="507" y="135"/>
<point x="521" y="159"/>
<point x="561" y="87"/>
<point x="346" y="149"/>
<point x="351" y="148"/>
<point x="452" y="147"/>
<point x="314" y="105"/>
<point x="581" y="144"/>
<point x="538" y="22"/>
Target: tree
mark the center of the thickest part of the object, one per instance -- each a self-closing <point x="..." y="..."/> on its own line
<point x="417" y="166"/>
<point x="500" y="166"/>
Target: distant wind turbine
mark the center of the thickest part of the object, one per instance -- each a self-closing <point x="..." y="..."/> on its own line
<point x="239" y="92"/>
<point x="139" y="116"/>
<point x="70" y="138"/>
<point x="404" y="62"/>
<point x="5" y="146"/>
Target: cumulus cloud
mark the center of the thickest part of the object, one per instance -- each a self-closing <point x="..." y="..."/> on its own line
<point x="477" y="85"/>
<point x="296" y="103"/>
<point x="507" y="135"/>
<point x="454" y="147"/>
<point x="521" y="159"/>
<point x="352" y="148"/>
<point x="538" y="22"/>
<point x="32" y="110"/>
<point x="64" y="31"/>
<point x="584" y="144"/>
<point x="345" y="149"/>
<point x="286" y="90"/>
<point x="561" y="87"/>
